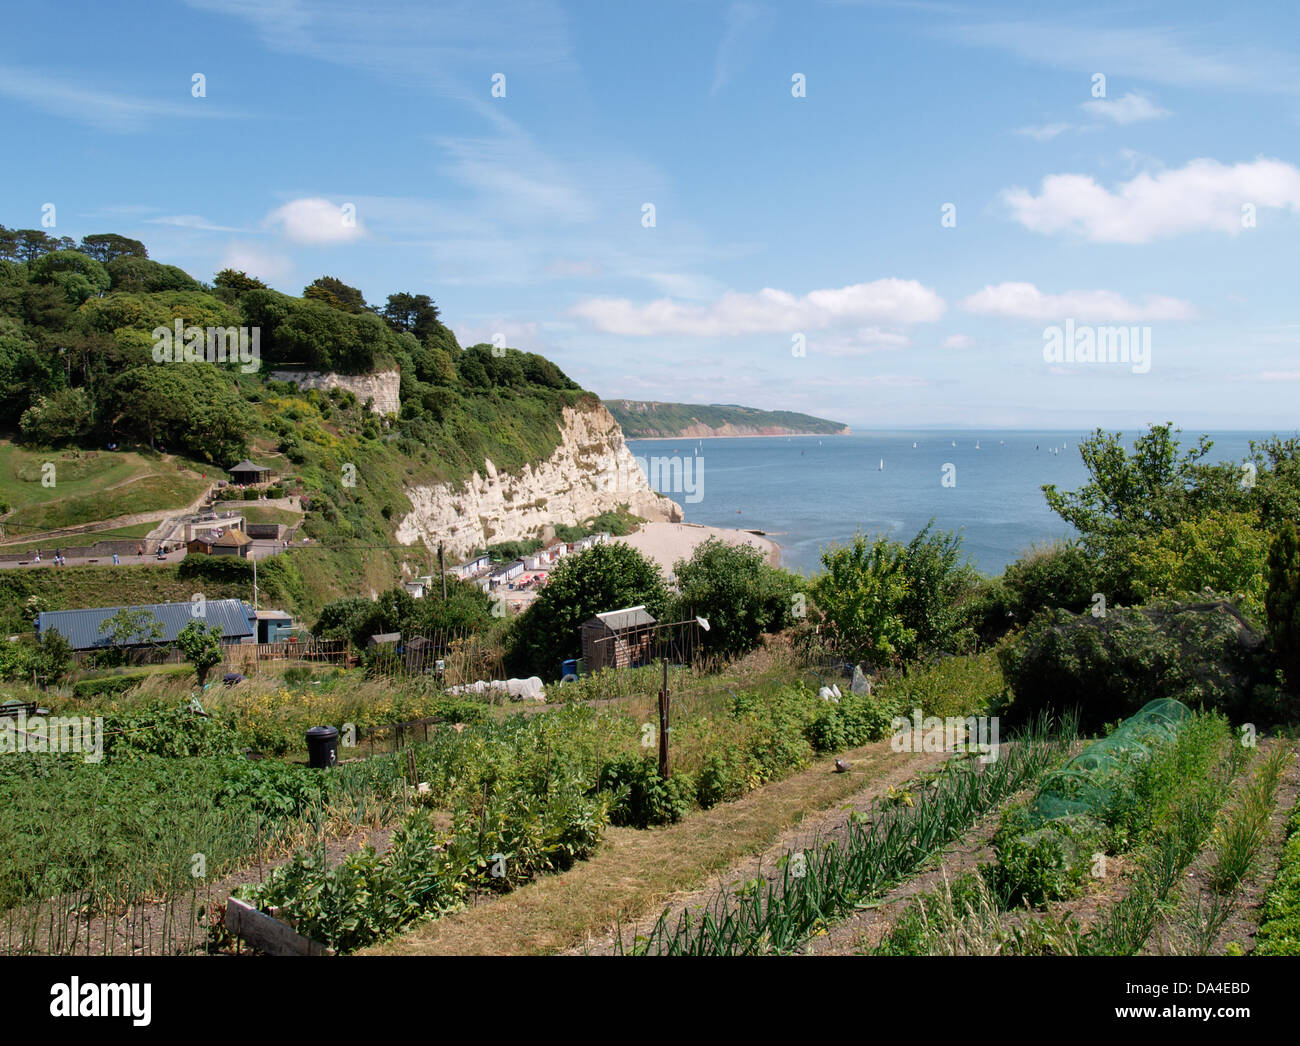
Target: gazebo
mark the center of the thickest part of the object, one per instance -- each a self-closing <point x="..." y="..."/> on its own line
<point x="246" y="473"/>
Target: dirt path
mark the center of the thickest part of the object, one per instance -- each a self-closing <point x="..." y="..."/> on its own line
<point x="815" y="829"/>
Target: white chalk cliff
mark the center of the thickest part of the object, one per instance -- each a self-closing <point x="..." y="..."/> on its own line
<point x="591" y="471"/>
<point x="381" y="387"/>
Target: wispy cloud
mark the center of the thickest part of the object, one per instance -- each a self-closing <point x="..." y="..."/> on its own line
<point x="887" y="301"/>
<point x="1129" y="109"/>
<point x="1045" y="132"/>
<point x="1025" y="301"/>
<point x="192" y="221"/>
<point x="96" y="107"/>
<point x="746" y="24"/>
<point x="1182" y="57"/>
<point x="1203" y="195"/>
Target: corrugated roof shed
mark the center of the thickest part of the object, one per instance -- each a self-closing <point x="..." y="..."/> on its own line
<point x="632" y="617"/>
<point x="81" y="628"/>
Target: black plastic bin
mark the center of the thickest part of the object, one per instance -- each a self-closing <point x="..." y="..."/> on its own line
<point x="322" y="746"/>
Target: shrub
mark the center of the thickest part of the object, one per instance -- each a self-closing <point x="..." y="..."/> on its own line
<point x="1110" y="666"/>
<point x="1058" y="575"/>
<point x="1222" y="553"/>
<point x="642" y="797"/>
<point x="1047" y="863"/>
<point x="722" y="778"/>
<point x="1282" y="602"/>
<point x="886" y="602"/>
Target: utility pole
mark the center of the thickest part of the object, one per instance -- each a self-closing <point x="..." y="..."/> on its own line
<point x="443" y="571"/>
<point x="253" y="554"/>
<point x="663" y="725"/>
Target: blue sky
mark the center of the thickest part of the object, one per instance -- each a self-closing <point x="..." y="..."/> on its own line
<point x="775" y="215"/>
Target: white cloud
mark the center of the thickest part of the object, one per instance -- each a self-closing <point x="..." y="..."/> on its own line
<point x="1205" y="194"/>
<point x="1129" y="109"/>
<point x="958" y="341"/>
<point x="1026" y="302"/>
<point x="316" y="221"/>
<point x="265" y="265"/>
<point x="882" y="301"/>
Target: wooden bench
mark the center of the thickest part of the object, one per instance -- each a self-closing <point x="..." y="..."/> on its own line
<point x="26" y="708"/>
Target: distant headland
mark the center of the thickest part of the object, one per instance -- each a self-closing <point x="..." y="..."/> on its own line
<point x="645" y="419"/>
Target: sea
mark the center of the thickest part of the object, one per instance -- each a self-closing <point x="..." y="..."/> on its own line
<point x="808" y="492"/>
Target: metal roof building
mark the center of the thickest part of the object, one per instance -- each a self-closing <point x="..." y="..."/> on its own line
<point x="81" y="628"/>
<point x="617" y="638"/>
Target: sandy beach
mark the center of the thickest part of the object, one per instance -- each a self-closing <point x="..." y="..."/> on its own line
<point x="666" y="543"/>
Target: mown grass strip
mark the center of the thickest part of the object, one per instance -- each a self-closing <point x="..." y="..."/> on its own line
<point x="765" y="917"/>
<point x="636" y="869"/>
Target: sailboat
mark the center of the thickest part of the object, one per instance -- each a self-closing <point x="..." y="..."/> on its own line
<point x="882" y="465"/>
<point x="914" y="444"/>
<point x="977" y="444"/>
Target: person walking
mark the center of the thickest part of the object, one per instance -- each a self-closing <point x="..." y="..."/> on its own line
<point x="115" y="560"/>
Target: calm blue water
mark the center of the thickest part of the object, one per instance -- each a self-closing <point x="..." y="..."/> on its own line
<point x="809" y="491"/>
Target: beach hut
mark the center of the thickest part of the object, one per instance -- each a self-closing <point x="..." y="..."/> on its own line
<point x="617" y="639"/>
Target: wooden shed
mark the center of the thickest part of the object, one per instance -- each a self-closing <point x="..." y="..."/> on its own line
<point x="617" y="639"/>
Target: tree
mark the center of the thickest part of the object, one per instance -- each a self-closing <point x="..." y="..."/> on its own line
<point x="201" y="645"/>
<point x="1130" y="496"/>
<point x="80" y="276"/>
<point x="859" y="594"/>
<point x="336" y="294"/>
<point x="138" y="275"/>
<point x="1282" y="603"/>
<point x="104" y="247"/>
<point x="735" y="589"/>
<point x="61" y="417"/>
<point x="238" y="281"/>
<point x="886" y="602"/>
<point x="415" y="313"/>
<point x="128" y="628"/>
<point x="52" y="656"/>
<point x="604" y="577"/>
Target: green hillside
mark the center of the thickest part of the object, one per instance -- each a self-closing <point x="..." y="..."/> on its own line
<point x="642" y="419"/>
<point x="79" y="374"/>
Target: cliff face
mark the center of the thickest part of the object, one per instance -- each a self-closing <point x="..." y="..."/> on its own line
<point x="382" y="386"/>
<point x="590" y="472"/>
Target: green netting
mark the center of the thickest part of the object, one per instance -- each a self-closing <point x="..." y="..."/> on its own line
<point x="1090" y="781"/>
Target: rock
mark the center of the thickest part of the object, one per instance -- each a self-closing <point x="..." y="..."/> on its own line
<point x="861" y="684"/>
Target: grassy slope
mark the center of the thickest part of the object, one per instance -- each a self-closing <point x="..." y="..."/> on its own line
<point x="89" y="486"/>
<point x="647" y="420"/>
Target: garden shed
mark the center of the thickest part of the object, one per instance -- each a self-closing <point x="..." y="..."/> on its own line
<point x="617" y="639"/>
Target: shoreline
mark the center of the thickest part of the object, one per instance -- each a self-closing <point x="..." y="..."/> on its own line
<point x="666" y="543"/>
